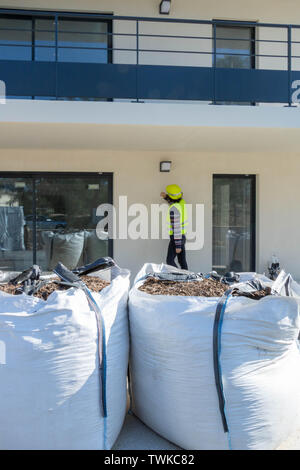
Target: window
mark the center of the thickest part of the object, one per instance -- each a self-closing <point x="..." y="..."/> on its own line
<point x="83" y="41"/>
<point x="27" y="38"/>
<point x="233" y="223"/>
<point x="46" y="218"/>
<point x="235" y="48"/>
<point x="34" y="38"/>
<point x="15" y="38"/>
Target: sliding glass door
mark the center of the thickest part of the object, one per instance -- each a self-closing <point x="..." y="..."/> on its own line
<point x="51" y="217"/>
<point x="233" y="223"/>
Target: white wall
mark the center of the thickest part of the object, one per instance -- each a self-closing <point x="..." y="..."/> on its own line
<point x="136" y="175"/>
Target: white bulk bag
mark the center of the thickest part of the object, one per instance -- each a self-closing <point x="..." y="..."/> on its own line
<point x="50" y="394"/>
<point x="172" y="369"/>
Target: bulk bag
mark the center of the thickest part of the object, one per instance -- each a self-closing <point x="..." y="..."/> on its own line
<point x="173" y="381"/>
<point x="50" y="391"/>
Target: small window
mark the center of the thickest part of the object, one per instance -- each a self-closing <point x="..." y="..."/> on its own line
<point x="235" y="47"/>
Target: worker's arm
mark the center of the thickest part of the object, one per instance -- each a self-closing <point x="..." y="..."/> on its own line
<point x="176" y="227"/>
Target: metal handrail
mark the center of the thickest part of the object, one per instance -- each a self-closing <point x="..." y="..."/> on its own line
<point x="56" y="44"/>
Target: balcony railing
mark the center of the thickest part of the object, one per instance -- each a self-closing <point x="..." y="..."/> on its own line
<point x="156" y="59"/>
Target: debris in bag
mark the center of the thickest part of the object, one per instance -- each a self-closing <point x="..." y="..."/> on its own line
<point x="93" y="283"/>
<point x="241" y="375"/>
<point x="30" y="282"/>
<point x="253" y="289"/>
<point x="203" y="285"/>
<point x="58" y="351"/>
<point x="274" y="268"/>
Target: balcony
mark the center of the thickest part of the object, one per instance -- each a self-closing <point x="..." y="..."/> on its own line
<point x="157" y="59"/>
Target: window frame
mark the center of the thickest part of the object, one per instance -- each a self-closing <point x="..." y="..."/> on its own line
<point x="231" y="24"/>
<point x="253" y="213"/>
<point x="55" y="15"/>
<point x="34" y="175"/>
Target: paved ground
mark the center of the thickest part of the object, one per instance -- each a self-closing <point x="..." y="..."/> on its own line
<point x="136" y="436"/>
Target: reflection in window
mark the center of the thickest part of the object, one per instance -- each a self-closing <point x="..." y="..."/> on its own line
<point x="44" y="39"/>
<point x="15" y="205"/>
<point x="15" y="38"/>
<point x="233" y="223"/>
<point x="82" y="41"/>
<point x="34" y="38"/>
<point x="234" y="47"/>
<point x="47" y="219"/>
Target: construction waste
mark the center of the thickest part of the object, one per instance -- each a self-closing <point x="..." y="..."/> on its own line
<point x="63" y="359"/>
<point x="215" y="362"/>
<point x="94" y="283"/>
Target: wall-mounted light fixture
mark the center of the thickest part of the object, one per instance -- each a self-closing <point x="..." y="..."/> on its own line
<point x="165" y="167"/>
<point x="164" y="7"/>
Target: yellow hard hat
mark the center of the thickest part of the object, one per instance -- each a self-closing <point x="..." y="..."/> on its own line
<point x="174" y="191"/>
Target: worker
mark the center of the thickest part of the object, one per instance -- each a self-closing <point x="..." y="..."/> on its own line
<point x="177" y="225"/>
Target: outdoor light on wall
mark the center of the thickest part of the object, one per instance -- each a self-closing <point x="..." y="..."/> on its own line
<point x="165" y="167"/>
<point x="164" y="7"/>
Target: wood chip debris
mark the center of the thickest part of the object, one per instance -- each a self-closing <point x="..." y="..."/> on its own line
<point x="94" y="283"/>
<point x="201" y="288"/>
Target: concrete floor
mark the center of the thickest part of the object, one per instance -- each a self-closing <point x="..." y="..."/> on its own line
<point x="136" y="436"/>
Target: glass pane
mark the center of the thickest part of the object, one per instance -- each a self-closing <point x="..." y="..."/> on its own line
<point x="66" y="220"/>
<point x="232" y="223"/>
<point x="44" y="39"/>
<point x="16" y="250"/>
<point x="82" y="41"/>
<point x="15" y="39"/>
<point x="233" y="47"/>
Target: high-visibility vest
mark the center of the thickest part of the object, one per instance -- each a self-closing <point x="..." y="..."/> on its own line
<point x="180" y="206"/>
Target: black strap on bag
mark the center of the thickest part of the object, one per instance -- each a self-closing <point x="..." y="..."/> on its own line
<point x="220" y="310"/>
<point x="72" y="278"/>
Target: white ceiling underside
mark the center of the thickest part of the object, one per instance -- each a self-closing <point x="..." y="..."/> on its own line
<point x="150" y="127"/>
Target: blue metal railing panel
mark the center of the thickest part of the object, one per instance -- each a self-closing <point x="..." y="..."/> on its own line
<point x="252" y="85"/>
<point x="25" y="78"/>
<point x="151" y="82"/>
<point x="96" y="80"/>
<point x="175" y="83"/>
<point x="157" y="82"/>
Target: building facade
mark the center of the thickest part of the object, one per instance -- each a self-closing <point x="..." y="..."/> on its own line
<point x="99" y="93"/>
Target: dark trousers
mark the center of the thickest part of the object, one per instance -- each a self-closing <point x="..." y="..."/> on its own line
<point x="180" y="256"/>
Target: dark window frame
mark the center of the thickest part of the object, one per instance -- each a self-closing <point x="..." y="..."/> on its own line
<point x="253" y="214"/>
<point x="94" y="19"/>
<point x="37" y="14"/>
<point x="34" y="175"/>
<point x="231" y="24"/>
